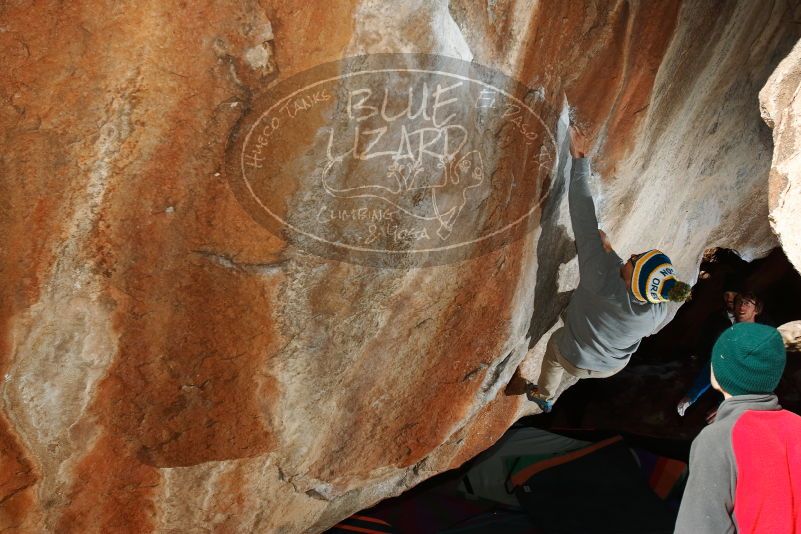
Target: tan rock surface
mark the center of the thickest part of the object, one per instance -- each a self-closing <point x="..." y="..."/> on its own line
<point x="781" y="109"/>
<point x="169" y="365"/>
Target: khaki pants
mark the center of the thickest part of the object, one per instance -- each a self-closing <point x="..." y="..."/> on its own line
<point x="555" y="367"/>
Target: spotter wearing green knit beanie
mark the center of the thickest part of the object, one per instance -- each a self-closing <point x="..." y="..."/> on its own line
<point x="748" y="358"/>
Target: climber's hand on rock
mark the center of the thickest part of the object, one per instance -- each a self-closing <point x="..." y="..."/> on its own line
<point x="682" y="406"/>
<point x="578" y="142"/>
<point x="605" y="241"/>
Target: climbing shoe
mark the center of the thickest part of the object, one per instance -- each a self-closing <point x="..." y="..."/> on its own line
<point x="545" y="405"/>
<point x="532" y="394"/>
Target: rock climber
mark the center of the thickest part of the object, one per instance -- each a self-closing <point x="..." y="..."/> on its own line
<point x="616" y="303"/>
<point x="744" y="467"/>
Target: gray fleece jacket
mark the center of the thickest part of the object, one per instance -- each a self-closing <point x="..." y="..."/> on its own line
<point x="604" y="324"/>
<point x="707" y="506"/>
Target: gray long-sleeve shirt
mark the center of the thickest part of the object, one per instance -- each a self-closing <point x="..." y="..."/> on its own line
<point x="603" y="323"/>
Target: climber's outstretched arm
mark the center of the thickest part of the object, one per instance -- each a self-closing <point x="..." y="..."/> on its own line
<point x="581" y="205"/>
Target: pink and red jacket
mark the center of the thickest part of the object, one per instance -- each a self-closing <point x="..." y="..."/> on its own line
<point x="745" y="471"/>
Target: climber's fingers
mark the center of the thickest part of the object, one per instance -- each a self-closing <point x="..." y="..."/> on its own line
<point x="578" y="142"/>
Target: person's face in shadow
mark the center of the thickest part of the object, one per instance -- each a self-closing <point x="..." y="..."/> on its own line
<point x="729" y="299"/>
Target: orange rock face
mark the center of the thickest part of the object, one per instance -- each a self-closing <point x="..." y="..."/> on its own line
<point x="171" y="364"/>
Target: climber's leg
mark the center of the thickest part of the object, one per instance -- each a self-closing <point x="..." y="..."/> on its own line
<point x="586" y="373"/>
<point x="555" y="371"/>
<point x="551" y="372"/>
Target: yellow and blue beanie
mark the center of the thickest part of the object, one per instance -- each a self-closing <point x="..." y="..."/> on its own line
<point x="653" y="277"/>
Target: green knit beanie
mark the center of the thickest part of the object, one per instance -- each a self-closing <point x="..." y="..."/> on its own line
<point x="748" y="358"/>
